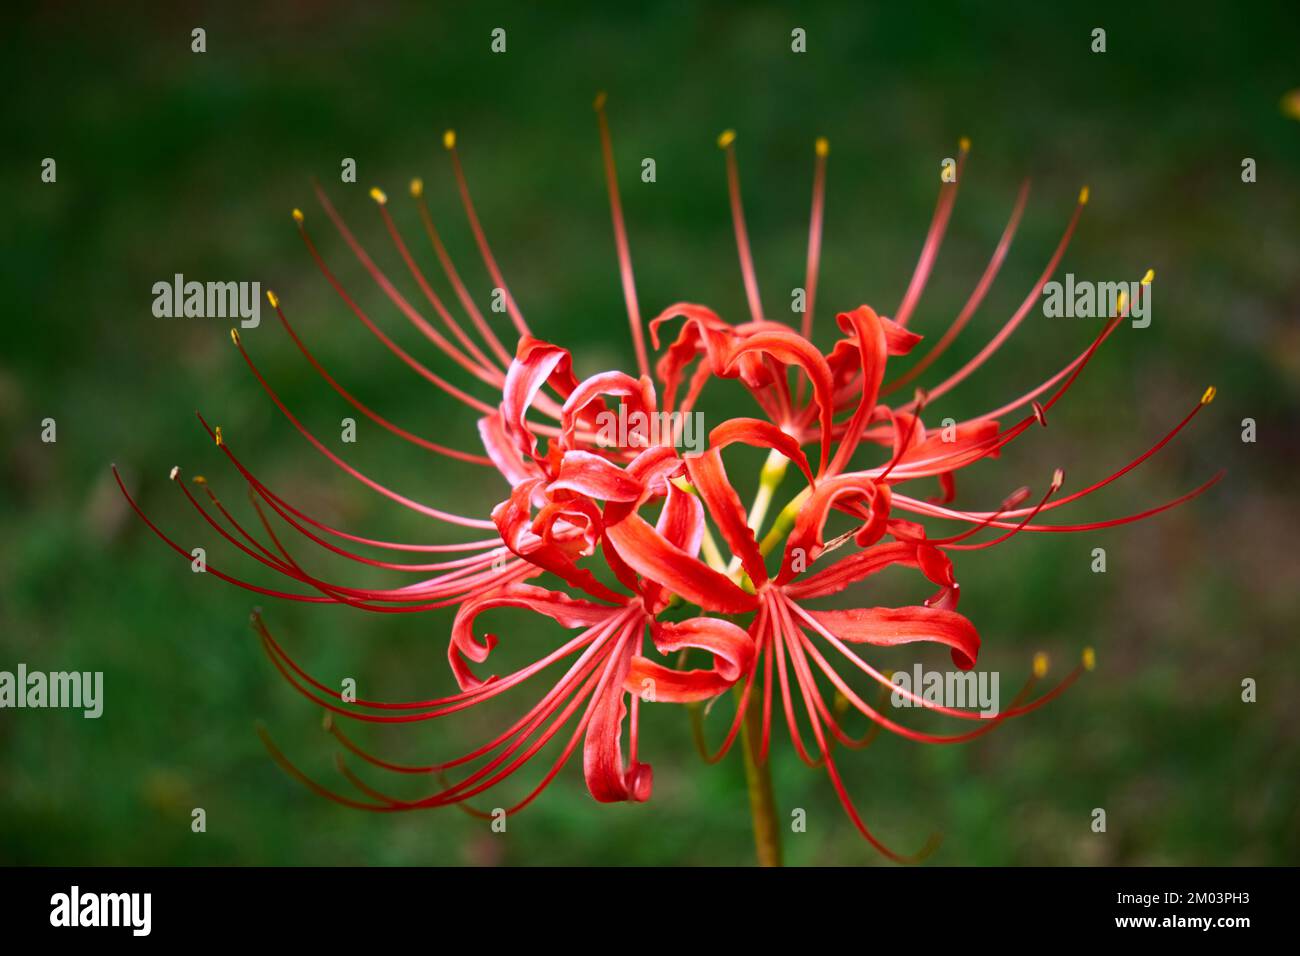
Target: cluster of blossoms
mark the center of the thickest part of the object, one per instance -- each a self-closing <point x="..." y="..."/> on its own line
<point x="620" y="535"/>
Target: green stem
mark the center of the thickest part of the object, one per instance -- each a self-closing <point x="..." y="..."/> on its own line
<point x="762" y="802"/>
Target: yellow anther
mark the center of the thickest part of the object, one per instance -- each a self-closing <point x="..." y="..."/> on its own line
<point x="199" y="480"/>
<point x="220" y="440"/>
<point x="1040" y="665"/>
<point x="1058" y="479"/>
<point x="726" y="138"/>
<point x="1089" y="659"/>
<point x="297" y="216"/>
<point x="1209" y="395"/>
<point x="378" y="195"/>
<point x="417" y="187"/>
<point x="1083" y="196"/>
<point x="822" y="146"/>
<point x="176" y="470"/>
<point x="1121" y="303"/>
<point x="1151" y="274"/>
<point x="1291" y="104"/>
<point x="964" y="144"/>
<point x="234" y="336"/>
<point x="599" y="102"/>
<point x="449" y="139"/>
<point x="273" y="299"/>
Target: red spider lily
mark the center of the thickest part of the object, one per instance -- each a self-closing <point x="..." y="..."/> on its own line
<point x="628" y="528"/>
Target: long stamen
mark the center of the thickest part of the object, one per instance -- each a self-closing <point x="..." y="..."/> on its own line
<point x="449" y="143"/>
<point x="972" y="304"/>
<point x="726" y="142"/>
<point x="921" y="507"/>
<point x="620" y="239"/>
<point x="1057" y="479"/>
<point x="349" y="469"/>
<point x="782" y="626"/>
<point x="208" y="568"/>
<point x="365" y="409"/>
<point x="1030" y="300"/>
<point x="485" y="368"/>
<point x="933" y="239"/>
<point x="822" y="149"/>
<point x="284" y="509"/>
<point x="453" y="276"/>
<point x="416" y="366"/>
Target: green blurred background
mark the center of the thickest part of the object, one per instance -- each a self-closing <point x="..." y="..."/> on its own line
<point x="172" y="162"/>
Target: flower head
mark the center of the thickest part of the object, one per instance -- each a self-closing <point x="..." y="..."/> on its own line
<point x="645" y="553"/>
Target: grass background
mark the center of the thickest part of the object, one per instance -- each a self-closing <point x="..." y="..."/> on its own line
<point x="169" y="161"/>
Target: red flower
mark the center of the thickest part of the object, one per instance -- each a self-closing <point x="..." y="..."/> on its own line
<point x="627" y="526"/>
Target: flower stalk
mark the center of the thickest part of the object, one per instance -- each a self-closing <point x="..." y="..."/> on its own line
<point x="762" y="799"/>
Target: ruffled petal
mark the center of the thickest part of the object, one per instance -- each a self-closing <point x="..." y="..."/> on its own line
<point x="761" y="434"/>
<point x="514" y="522"/>
<point x="724" y="506"/>
<point x="854" y="568"/>
<point x="732" y="649"/>
<point x="566" y="611"/>
<point x="653" y="557"/>
<point x="639" y="394"/>
<point x="588" y="474"/>
<point x="503" y="451"/>
<point x="608" y="780"/>
<point x="536" y="363"/>
<point x="790" y="348"/>
<point x="892" y="626"/>
<point x="811" y="520"/>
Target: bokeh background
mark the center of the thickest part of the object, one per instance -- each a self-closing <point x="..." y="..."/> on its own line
<point x="172" y="162"/>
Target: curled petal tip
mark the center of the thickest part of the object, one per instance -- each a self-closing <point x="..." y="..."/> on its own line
<point x="1041" y="663"/>
<point x="726" y="138"/>
<point x="1209" y="395"/>
<point x="1089" y="659"/>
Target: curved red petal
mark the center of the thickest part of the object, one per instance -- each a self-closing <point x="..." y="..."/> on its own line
<point x="891" y="626"/>
<point x="653" y="557"/>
